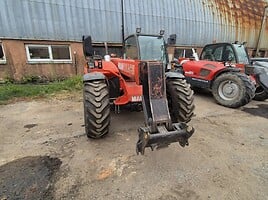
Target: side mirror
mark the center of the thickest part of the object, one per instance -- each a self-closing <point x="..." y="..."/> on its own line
<point x="1" y="52"/>
<point x="87" y="46"/>
<point x="172" y="39"/>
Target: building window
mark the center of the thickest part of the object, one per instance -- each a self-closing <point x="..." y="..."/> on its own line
<point x="183" y="53"/>
<point x="48" y="53"/>
<point x="114" y="51"/>
<point x="3" y="59"/>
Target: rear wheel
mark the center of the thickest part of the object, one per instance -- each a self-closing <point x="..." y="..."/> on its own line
<point x="233" y="89"/>
<point x="180" y="100"/>
<point x="96" y="108"/>
<point x="260" y="94"/>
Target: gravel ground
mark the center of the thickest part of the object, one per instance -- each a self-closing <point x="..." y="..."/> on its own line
<point x="227" y="157"/>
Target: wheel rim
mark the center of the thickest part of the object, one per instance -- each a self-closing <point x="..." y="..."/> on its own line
<point x="228" y="90"/>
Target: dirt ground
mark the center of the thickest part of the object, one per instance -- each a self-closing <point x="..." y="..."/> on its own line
<point x="45" y="154"/>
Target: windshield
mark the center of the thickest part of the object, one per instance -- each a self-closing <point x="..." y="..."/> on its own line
<point x="152" y="48"/>
<point x="241" y="54"/>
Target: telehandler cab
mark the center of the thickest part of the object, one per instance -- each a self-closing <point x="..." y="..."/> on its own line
<point x="141" y="76"/>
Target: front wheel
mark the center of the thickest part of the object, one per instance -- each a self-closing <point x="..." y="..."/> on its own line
<point x="180" y="100"/>
<point x="233" y="89"/>
<point x="96" y="108"/>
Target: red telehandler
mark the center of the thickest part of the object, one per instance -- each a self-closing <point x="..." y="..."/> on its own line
<point x="219" y="70"/>
<point x="236" y="54"/>
<point x="141" y="76"/>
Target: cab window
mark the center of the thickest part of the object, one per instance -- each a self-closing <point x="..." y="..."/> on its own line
<point x="228" y="55"/>
<point x="212" y="53"/>
<point x="218" y="53"/>
<point x="151" y="48"/>
<point x="131" y="49"/>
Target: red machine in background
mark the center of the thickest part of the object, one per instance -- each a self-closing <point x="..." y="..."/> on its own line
<point x="219" y="70"/>
<point x="236" y="54"/>
<point x="141" y="77"/>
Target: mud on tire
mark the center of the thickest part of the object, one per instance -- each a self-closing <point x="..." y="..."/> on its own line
<point x="180" y="100"/>
<point x="96" y="108"/>
<point x="233" y="89"/>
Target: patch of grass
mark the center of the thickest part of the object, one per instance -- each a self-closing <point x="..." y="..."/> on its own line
<point x="10" y="91"/>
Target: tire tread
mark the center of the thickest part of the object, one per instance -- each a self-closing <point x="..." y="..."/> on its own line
<point x="96" y="108"/>
<point x="180" y="100"/>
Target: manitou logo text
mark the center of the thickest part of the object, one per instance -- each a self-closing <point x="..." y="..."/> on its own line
<point x="189" y="72"/>
<point x="136" y="98"/>
<point x="127" y="67"/>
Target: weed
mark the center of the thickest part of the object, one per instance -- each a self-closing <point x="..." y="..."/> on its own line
<point x="10" y="91"/>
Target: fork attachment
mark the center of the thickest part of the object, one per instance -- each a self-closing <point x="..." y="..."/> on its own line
<point x="180" y="133"/>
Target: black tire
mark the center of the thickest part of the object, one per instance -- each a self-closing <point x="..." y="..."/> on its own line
<point x="260" y="94"/>
<point x="180" y="100"/>
<point x="233" y="89"/>
<point x="96" y="108"/>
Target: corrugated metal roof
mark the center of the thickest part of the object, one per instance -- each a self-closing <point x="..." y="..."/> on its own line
<point x="60" y="19"/>
<point x="242" y="19"/>
<point x="196" y="22"/>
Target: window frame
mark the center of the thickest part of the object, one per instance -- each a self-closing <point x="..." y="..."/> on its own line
<point x="50" y="59"/>
<point x="4" y="60"/>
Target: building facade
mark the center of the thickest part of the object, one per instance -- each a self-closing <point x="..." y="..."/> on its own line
<point x="43" y="37"/>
